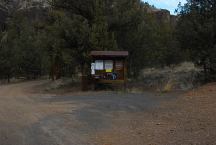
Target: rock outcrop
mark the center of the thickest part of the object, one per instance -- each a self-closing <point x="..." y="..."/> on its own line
<point x="23" y="4"/>
<point x="162" y="15"/>
<point x="32" y="9"/>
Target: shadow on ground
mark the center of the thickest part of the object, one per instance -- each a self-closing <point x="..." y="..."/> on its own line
<point x="94" y="113"/>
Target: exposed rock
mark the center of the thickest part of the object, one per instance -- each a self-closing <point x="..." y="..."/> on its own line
<point x="23" y="4"/>
<point x="162" y="15"/>
<point x="33" y="9"/>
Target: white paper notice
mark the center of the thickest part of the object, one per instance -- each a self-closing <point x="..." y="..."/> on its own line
<point x="99" y="65"/>
<point x="93" y="68"/>
<point x="108" y="64"/>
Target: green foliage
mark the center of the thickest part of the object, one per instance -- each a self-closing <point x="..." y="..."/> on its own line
<point x="20" y="44"/>
<point x="67" y="41"/>
<point x="100" y="38"/>
<point x="58" y="40"/>
<point x="196" y="33"/>
<point x="6" y="58"/>
<point x="149" y="40"/>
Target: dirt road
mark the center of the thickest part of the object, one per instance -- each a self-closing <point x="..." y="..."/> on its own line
<point x="30" y="117"/>
<point x="21" y="115"/>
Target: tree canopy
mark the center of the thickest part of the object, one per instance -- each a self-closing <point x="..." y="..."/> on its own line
<point x="57" y="40"/>
<point x="196" y="32"/>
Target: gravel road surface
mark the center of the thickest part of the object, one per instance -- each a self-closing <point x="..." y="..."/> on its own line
<point x="30" y="117"/>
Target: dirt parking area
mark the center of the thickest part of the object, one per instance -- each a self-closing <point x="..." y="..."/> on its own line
<point x="28" y="116"/>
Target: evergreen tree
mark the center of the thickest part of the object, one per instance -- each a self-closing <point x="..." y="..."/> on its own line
<point x="7" y="63"/>
<point x="58" y="40"/>
<point x="196" y="33"/>
<point x="100" y="38"/>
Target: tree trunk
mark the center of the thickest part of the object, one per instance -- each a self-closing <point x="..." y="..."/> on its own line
<point x="8" y="78"/>
<point x="205" y="72"/>
<point x="51" y="75"/>
<point x="212" y="70"/>
<point x="55" y="70"/>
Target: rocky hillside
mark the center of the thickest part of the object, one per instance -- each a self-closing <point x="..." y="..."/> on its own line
<point x="20" y="4"/>
<point x="23" y="4"/>
<point x="163" y="15"/>
<point x="32" y="7"/>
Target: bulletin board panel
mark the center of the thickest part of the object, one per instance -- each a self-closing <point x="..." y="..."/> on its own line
<point x="109" y="66"/>
<point x="112" y="70"/>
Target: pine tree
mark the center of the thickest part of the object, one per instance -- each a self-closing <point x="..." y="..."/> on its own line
<point x="100" y="38"/>
<point x="196" y="32"/>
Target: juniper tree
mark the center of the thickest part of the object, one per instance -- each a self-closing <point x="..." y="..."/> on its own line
<point x="100" y="38"/>
<point x="196" y="32"/>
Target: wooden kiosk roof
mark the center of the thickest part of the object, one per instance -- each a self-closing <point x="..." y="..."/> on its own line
<point x="109" y="53"/>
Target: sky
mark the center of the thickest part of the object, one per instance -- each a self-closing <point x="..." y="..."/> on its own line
<point x="170" y="5"/>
